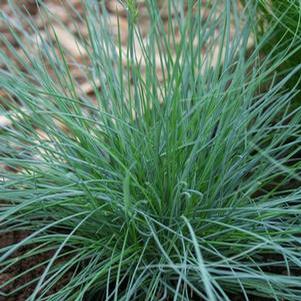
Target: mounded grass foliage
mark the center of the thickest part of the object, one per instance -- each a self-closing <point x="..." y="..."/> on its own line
<point x="179" y="181"/>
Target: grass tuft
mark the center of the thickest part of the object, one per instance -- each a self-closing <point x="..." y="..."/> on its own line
<point x="178" y="180"/>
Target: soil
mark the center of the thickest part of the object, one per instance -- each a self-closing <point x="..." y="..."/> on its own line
<point x="16" y="269"/>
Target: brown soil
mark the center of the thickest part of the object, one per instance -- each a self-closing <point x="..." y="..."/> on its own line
<point x="22" y="266"/>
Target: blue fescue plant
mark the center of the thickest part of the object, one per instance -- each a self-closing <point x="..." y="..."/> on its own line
<point x="178" y="181"/>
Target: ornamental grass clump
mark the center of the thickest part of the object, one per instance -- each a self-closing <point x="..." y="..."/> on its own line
<point x="178" y="179"/>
